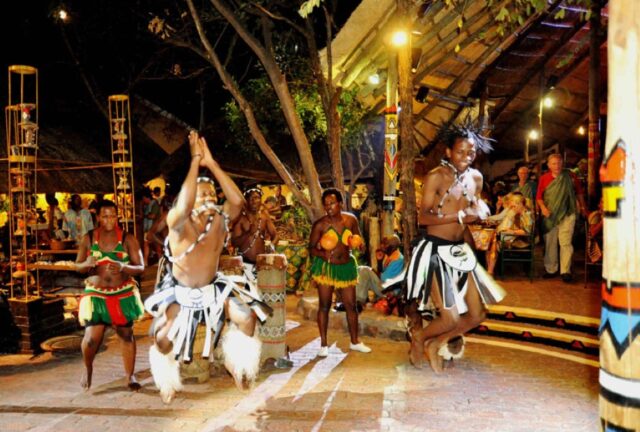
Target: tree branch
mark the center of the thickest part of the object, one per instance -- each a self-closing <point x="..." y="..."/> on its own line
<point x="272" y="15"/>
<point x="254" y="128"/>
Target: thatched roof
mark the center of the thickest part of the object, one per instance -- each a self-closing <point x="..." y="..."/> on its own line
<point x="514" y="69"/>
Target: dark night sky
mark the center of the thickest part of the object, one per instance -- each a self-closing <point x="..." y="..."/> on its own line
<point x="110" y="39"/>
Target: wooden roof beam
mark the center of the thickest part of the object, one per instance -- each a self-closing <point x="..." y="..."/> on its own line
<point x="445" y="55"/>
<point x="533" y="108"/>
<point x="527" y="30"/>
<point x="537" y="68"/>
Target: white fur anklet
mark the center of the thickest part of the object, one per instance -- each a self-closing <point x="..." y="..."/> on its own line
<point x="454" y="349"/>
<point x="165" y="370"/>
<point x="241" y="355"/>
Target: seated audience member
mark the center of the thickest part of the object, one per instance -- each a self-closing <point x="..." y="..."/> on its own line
<point x="392" y="265"/>
<point x="516" y="221"/>
<point x="279" y="204"/>
<point x="498" y="190"/>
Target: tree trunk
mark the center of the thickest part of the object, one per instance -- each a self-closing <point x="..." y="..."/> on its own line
<point x="620" y="318"/>
<point x="281" y="89"/>
<point x="254" y="128"/>
<point x="335" y="143"/>
<point x="407" y="149"/>
<point x="330" y="97"/>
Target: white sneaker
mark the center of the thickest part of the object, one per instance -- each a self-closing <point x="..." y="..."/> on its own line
<point x="360" y="347"/>
<point x="324" y="351"/>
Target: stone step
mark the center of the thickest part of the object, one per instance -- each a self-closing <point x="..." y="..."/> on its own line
<point x="549" y="330"/>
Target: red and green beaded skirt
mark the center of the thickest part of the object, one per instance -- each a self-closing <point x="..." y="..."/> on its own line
<point x="120" y="305"/>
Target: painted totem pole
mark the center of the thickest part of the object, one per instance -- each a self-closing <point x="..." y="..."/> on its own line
<point x="620" y="320"/>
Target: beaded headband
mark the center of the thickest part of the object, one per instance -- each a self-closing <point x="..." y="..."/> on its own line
<point x="206" y="180"/>
<point x="256" y="190"/>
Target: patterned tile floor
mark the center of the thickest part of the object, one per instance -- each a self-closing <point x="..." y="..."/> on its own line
<point x="490" y="389"/>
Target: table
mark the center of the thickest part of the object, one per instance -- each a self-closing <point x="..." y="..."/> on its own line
<point x="482" y="236"/>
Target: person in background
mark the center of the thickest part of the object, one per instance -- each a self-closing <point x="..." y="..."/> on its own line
<point x="499" y="190"/>
<point x="93" y="208"/>
<point x="251" y="231"/>
<point x="280" y="203"/>
<point x="150" y="213"/>
<point x="156" y="194"/>
<point x="392" y="267"/>
<point x="516" y="220"/>
<point x="77" y="221"/>
<point x="580" y="170"/>
<point x="560" y="198"/>
<point x="525" y="186"/>
<point x="54" y="217"/>
<point x="158" y="231"/>
<point x="595" y="225"/>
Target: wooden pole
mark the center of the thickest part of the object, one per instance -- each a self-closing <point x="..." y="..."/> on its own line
<point x="594" y="103"/>
<point x="620" y="317"/>
<point x="408" y="151"/>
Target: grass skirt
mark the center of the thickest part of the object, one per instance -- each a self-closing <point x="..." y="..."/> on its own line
<point x="336" y="275"/>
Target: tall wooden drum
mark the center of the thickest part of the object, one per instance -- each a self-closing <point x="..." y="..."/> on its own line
<point x="271" y="284"/>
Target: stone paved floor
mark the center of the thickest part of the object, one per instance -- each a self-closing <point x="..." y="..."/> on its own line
<point x="490" y="389"/>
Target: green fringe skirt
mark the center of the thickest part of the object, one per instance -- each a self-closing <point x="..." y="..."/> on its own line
<point x="337" y="275"/>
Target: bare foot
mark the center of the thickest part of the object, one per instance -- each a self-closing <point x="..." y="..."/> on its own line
<point x="133" y="384"/>
<point x="435" y="360"/>
<point x="85" y="381"/>
<point x="416" y="353"/>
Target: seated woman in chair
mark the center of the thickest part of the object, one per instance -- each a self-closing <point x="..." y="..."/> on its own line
<point x="516" y="221"/>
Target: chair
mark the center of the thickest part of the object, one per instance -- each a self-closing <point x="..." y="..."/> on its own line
<point x="589" y="251"/>
<point x="521" y="255"/>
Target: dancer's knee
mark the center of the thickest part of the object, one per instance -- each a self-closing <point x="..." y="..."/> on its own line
<point x="350" y="307"/>
<point x="324" y="307"/>
<point x="125" y="334"/>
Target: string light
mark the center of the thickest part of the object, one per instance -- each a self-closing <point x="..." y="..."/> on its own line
<point x="399" y="38"/>
<point x="533" y="134"/>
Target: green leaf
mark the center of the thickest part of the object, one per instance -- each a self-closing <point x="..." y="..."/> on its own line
<point x="503" y="14"/>
<point x="560" y="14"/>
<point x="307" y="7"/>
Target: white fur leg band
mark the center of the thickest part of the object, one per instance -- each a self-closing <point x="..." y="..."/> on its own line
<point x="165" y="370"/>
<point x="241" y="355"/>
<point x="454" y="349"/>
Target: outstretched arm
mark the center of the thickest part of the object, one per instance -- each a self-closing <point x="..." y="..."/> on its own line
<point x="181" y="211"/>
<point x="235" y="200"/>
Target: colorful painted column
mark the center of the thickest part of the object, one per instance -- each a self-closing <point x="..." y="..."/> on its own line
<point x="620" y="320"/>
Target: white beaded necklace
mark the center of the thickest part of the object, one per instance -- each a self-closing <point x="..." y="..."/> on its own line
<point x="457" y="179"/>
<point x="195" y="213"/>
